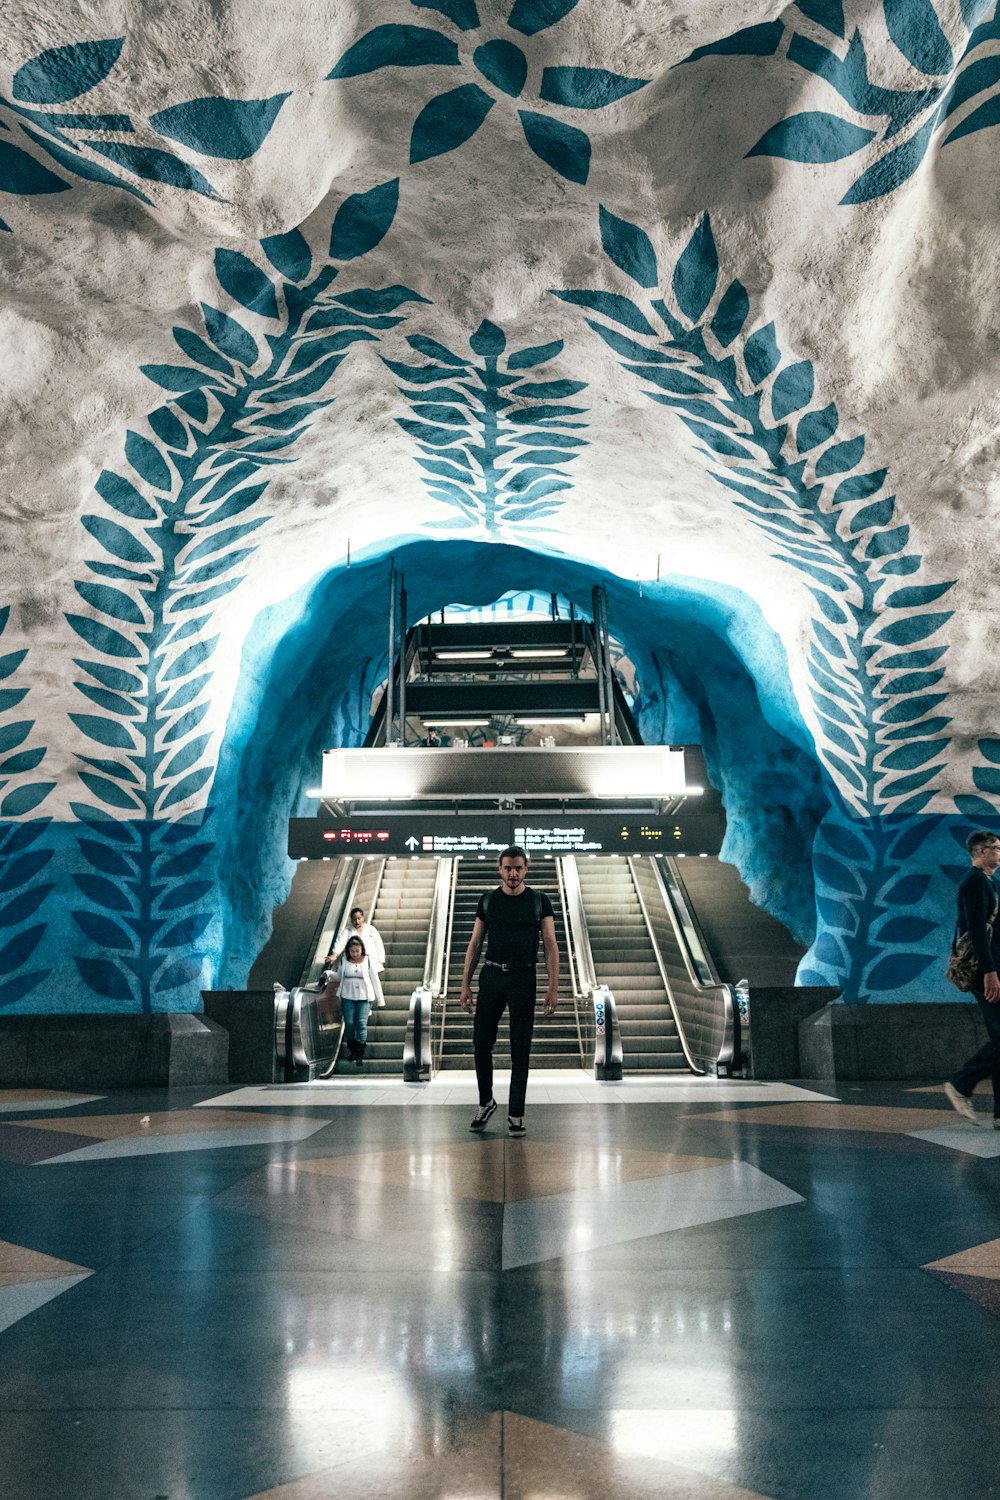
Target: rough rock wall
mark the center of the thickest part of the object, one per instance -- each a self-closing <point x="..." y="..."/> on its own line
<point x="655" y="290"/>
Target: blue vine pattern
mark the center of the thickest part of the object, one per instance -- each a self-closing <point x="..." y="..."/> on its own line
<point x="76" y="140"/>
<point x="450" y="119"/>
<point x="802" y="482"/>
<point x="494" y="441"/>
<point x="900" y="123"/>
<point x="175" y="530"/>
<point x="22" y="857"/>
<point x="980" y="809"/>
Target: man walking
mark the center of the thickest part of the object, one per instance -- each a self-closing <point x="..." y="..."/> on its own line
<point x="510" y="918"/>
<point x="978" y="902"/>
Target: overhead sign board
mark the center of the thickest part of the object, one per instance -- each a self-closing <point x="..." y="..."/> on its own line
<point x="430" y="834"/>
<point x="647" y="772"/>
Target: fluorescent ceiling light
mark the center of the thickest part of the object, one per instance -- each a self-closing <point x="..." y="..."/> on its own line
<point x="548" y="719"/>
<point x="540" y="653"/>
<point x="463" y="655"/>
<point x="455" y="723"/>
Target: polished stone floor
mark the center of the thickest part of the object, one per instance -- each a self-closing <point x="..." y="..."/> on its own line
<point x="691" y="1289"/>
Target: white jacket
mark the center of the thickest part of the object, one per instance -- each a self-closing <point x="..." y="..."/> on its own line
<point x="369" y="972"/>
<point x="369" y="935"/>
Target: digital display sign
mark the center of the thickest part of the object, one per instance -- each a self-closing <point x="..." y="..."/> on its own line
<point x="686" y="832"/>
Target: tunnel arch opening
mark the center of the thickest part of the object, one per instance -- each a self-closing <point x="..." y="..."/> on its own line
<point x="709" y="670"/>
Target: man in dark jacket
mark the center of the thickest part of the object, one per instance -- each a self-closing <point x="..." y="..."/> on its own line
<point x="978" y="900"/>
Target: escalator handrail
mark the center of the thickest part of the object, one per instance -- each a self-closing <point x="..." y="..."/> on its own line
<point x="340" y="903"/>
<point x="418" y="1059"/>
<point x="578" y="992"/>
<point x="577" y="931"/>
<point x="436" y="956"/>
<point x="442" y="997"/>
<point x="694" y="954"/>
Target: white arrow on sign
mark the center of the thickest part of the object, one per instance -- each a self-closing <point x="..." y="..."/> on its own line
<point x="412" y="843"/>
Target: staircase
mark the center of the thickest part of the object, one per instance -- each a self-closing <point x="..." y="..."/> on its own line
<point x="624" y="960"/>
<point x="402" y="915"/>
<point x="555" y="1043"/>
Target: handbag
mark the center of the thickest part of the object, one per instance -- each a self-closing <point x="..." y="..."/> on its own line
<point x="963" y="966"/>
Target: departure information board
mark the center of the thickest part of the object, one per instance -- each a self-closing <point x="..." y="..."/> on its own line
<point x="687" y="832"/>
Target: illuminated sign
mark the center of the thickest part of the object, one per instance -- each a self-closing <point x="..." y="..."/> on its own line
<point x="390" y="773"/>
<point x="430" y="834"/>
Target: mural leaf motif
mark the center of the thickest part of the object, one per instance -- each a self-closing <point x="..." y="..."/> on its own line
<point x="494" y="444"/>
<point x="62" y="73"/>
<point x="878" y="734"/>
<point x="191" y="508"/>
<point x="22" y="857"/>
<point x="230" y="129"/>
<point x="913" y="113"/>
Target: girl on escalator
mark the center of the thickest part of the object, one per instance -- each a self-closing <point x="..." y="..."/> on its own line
<point x="359" y="987"/>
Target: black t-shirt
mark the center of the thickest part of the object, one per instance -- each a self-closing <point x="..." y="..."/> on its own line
<point x="512" y="928"/>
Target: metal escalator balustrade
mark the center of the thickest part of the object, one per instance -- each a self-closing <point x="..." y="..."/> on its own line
<point x="556" y="1042"/>
<point x="704" y="1007"/>
<point x="626" y="960"/>
<point x="402" y="915"/>
<point x="306" y="1043"/>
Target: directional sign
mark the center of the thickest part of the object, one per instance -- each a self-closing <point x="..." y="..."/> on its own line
<point x="417" y="835"/>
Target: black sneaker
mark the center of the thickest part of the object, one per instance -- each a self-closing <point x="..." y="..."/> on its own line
<point x="515" y="1125"/>
<point x="484" y="1115"/>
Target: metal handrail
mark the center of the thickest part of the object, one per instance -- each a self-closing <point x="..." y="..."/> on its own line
<point x="664" y="976"/>
<point x="576" y="921"/>
<point x="607" y="1033"/>
<point x="449" y="937"/>
<point x="437" y="928"/>
<point x="575" y="986"/>
<point x="701" y="971"/>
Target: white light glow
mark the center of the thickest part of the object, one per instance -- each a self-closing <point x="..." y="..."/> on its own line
<point x="539" y="654"/>
<point x="463" y="655"/>
<point x="314" y="792"/>
<point x="694" y="1439"/>
<point x="455" y="723"/>
<point x="549" y="719"/>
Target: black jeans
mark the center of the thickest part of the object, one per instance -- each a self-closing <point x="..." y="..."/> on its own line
<point x="514" y="991"/>
<point x="986" y="1062"/>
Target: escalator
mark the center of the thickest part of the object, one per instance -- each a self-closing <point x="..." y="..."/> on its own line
<point x="625" y="958"/>
<point x="557" y="1039"/>
<point x="402" y="915"/>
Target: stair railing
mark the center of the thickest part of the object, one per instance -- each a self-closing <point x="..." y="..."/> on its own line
<point x="707" y="1025"/>
<point x="442" y="997"/>
<point x="418" y="1048"/>
<point x="607" y="1032"/>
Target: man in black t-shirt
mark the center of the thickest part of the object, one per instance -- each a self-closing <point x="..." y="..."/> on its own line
<point x="978" y="913"/>
<point x="510" y="918"/>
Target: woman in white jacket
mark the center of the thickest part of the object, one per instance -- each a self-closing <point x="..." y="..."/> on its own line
<point x="359" y="987"/>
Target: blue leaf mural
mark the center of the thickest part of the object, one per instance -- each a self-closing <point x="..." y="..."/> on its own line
<point x="879" y="734"/>
<point x="190" y="494"/>
<point x="215" y="126"/>
<point x="912" y="114"/>
<point x="451" y="118"/>
<point x="495" y="444"/>
<point x="23" y="855"/>
<point x="231" y="129"/>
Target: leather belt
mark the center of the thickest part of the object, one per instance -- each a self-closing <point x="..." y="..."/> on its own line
<point x="491" y="963"/>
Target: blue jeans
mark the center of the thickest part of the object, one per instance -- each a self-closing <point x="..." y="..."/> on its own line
<point x="356" y="1013"/>
<point x="986" y="1062"/>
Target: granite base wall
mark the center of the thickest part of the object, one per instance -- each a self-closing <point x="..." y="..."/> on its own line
<point x="247" y="1017"/>
<point x="889" y="1041"/>
<point x="89" y="1052"/>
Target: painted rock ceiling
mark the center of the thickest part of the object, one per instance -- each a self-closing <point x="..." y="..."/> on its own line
<point x="689" y="292"/>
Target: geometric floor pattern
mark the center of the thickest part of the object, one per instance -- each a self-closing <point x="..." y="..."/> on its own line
<point x="689" y="1289"/>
